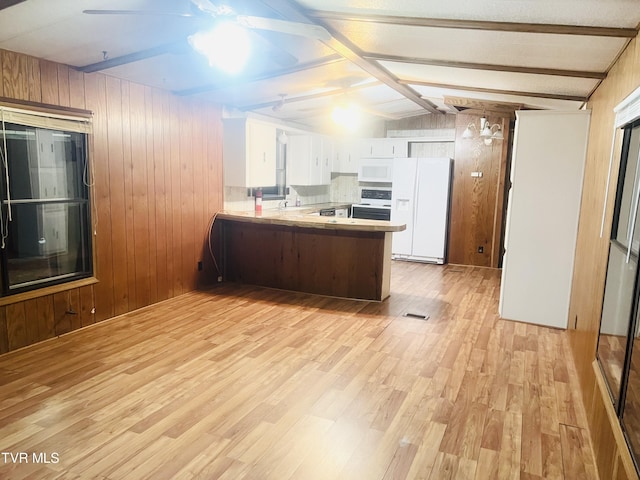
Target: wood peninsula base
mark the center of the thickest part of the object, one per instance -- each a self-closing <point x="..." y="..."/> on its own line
<point x="336" y="257"/>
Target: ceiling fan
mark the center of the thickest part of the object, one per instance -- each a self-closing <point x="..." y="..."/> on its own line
<point x="229" y="30"/>
<point x="222" y="11"/>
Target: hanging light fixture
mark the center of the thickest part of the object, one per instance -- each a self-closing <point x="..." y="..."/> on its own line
<point x="487" y="132"/>
<point x="227" y="46"/>
<point x="347" y="115"/>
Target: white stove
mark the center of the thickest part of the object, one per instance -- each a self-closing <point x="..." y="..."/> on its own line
<point x="375" y="204"/>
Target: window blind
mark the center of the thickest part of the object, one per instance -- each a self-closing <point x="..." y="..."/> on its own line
<point x="47" y="120"/>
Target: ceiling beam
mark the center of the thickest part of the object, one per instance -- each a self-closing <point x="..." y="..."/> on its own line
<point x="343" y="46"/>
<point x="551" y="96"/>
<point x="174" y="47"/>
<point x="9" y="3"/>
<point x="542" y="28"/>
<point x="321" y="62"/>
<point x="486" y="66"/>
<point x="313" y="96"/>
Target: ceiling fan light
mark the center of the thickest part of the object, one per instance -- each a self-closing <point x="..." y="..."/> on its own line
<point x="347" y="116"/>
<point x="226" y="46"/>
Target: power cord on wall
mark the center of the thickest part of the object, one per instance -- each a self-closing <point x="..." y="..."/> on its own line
<point x="209" y="244"/>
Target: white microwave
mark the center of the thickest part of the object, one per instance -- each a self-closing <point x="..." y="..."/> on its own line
<point x="375" y="170"/>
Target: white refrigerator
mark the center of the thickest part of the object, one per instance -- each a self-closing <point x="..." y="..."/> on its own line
<point x="420" y="198"/>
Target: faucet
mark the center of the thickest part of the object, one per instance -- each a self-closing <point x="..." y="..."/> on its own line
<point x="282" y="204"/>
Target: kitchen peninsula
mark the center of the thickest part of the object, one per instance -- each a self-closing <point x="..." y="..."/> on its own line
<point x="293" y="250"/>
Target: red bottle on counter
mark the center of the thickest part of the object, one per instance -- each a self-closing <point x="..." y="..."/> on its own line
<point x="258" y="201"/>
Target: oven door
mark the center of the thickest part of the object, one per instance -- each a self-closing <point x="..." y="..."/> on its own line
<point x="371" y="212"/>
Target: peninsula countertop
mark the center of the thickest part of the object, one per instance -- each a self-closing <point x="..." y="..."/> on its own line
<point x="302" y="217"/>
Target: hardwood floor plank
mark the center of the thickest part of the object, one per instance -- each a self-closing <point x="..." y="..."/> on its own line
<point x="240" y="382"/>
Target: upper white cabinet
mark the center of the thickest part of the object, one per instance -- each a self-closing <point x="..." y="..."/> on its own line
<point x="249" y="153"/>
<point x="384" y="148"/>
<point x="346" y="155"/>
<point x="309" y="159"/>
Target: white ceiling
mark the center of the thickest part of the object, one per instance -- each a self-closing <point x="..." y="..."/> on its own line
<point x="395" y="58"/>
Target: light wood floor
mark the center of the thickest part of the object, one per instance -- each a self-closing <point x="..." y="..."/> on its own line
<point x="243" y="382"/>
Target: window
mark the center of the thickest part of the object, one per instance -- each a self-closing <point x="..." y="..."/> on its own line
<point x="45" y="228"/>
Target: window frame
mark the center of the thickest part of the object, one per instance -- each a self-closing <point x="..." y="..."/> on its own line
<point x="59" y="119"/>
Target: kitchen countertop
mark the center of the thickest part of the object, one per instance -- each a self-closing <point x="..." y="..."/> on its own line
<point x="301" y="217"/>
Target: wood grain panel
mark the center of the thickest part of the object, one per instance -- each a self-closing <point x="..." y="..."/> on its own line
<point x="76" y="89"/>
<point x="62" y="313"/>
<point x="156" y="168"/>
<point x="129" y="216"/>
<point x="477" y="203"/>
<point x="44" y="317"/>
<point x="162" y="281"/>
<point x="15" y="75"/>
<point x="64" y="92"/>
<point x="201" y="203"/>
<point x="117" y="192"/>
<point x="4" y="336"/>
<point x="49" y="81"/>
<point x="150" y="125"/>
<point x="16" y="326"/>
<point x="95" y="92"/>
<point x="592" y="249"/>
<point x="87" y="313"/>
<point x="187" y="181"/>
<point x="168" y="125"/>
<point x="34" y="73"/>
<point x="176" y="197"/>
<point x="140" y="225"/>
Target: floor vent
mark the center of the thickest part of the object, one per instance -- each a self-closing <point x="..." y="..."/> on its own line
<point x="416" y="315"/>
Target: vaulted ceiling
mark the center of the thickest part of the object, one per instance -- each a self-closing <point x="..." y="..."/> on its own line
<point x="394" y="58"/>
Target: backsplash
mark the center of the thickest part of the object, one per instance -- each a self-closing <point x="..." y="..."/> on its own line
<point x="236" y="199"/>
<point x="344" y="188"/>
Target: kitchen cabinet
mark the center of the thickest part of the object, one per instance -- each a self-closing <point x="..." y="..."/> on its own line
<point x="346" y="156"/>
<point x="249" y="153"/>
<point x="384" y="148"/>
<point x="309" y="159"/>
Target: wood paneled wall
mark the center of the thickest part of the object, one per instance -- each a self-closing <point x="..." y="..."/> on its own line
<point x="157" y="180"/>
<point x="591" y="255"/>
<point x="477" y="203"/>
